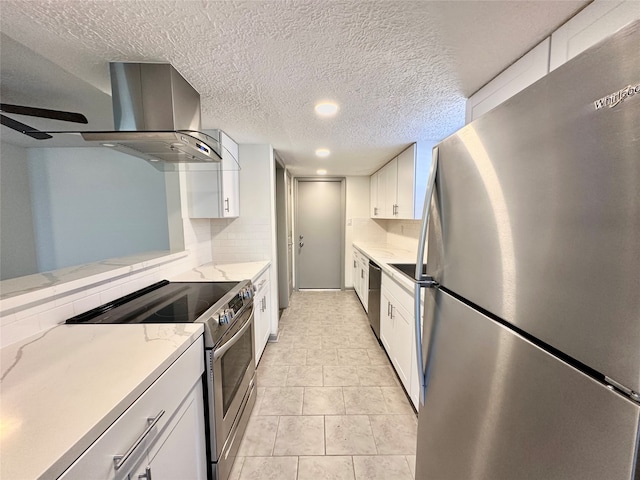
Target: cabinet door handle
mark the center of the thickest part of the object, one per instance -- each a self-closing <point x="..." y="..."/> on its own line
<point x="388" y="309"/>
<point x="120" y="460"/>
<point x="354" y="264"/>
<point x="391" y="311"/>
<point x="361" y="273"/>
<point x="146" y="475"/>
<point x="226" y="202"/>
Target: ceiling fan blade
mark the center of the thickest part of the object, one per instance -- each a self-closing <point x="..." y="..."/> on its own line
<point x="43" y="113"/>
<point x="22" y="128"/>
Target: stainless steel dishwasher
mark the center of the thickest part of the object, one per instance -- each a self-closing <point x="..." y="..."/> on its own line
<point x="375" y="279"/>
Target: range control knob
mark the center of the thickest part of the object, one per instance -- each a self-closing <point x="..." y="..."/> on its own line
<point x="225" y="317"/>
<point x="247" y="293"/>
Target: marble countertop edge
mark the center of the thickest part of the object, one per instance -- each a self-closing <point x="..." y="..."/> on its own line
<point x="384" y="255"/>
<point x="32" y="441"/>
<point x="51" y="285"/>
<point x="229" y="272"/>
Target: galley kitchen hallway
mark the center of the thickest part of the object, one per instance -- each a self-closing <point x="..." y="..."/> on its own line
<point x="329" y="404"/>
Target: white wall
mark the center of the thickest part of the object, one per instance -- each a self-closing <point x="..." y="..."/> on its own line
<point x="17" y="239"/>
<point x="252" y="236"/>
<point x="90" y="204"/>
<point x="248" y="238"/>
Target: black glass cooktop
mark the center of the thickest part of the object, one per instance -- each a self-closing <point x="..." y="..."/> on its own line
<point x="163" y="302"/>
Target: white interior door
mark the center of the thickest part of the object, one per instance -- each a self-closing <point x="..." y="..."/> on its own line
<point x="319" y="235"/>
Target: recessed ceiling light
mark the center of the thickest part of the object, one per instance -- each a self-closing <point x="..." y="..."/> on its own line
<point x="107" y="144"/>
<point x="323" y="152"/>
<point x="321" y="172"/>
<point x="326" y="109"/>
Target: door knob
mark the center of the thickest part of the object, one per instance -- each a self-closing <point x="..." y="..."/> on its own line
<point x="301" y="237"/>
<point x="301" y="244"/>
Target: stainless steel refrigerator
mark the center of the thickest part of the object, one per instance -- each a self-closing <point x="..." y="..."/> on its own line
<point x="530" y="348"/>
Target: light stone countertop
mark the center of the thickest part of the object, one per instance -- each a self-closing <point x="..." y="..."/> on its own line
<point x="61" y="389"/>
<point x="41" y="286"/>
<point x="230" y="272"/>
<point x="384" y="254"/>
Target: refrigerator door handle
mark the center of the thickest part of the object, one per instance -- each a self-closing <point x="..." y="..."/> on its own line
<point x="424" y="281"/>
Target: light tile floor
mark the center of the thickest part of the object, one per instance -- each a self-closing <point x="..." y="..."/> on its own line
<point x="329" y="404"/>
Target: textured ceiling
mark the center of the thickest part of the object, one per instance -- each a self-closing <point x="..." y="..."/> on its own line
<point x="400" y="70"/>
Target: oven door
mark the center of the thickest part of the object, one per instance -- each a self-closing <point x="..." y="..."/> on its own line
<point x="233" y="369"/>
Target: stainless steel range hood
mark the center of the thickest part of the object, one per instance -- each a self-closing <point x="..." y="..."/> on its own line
<point x="157" y="117"/>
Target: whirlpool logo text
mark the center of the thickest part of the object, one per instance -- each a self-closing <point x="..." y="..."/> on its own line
<point x="618" y="97"/>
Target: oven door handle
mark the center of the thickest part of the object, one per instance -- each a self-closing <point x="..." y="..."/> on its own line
<point x="218" y="352"/>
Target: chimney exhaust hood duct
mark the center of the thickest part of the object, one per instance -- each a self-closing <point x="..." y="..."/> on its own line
<point x="157" y="117"/>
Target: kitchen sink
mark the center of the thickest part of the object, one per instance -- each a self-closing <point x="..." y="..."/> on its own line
<point x="409" y="269"/>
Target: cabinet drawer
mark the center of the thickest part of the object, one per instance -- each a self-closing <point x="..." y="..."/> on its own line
<point x="260" y="282"/>
<point x="164" y="395"/>
<point x="403" y="296"/>
<point x="356" y="256"/>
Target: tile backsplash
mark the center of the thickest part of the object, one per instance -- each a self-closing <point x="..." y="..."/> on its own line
<point x="400" y="233"/>
<point x="243" y="239"/>
<point x="403" y="233"/>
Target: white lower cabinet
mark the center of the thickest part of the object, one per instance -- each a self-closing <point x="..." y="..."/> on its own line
<point x="160" y="436"/>
<point x="361" y="277"/>
<point x="355" y="272"/>
<point x="178" y="453"/>
<point x="262" y="312"/>
<point x="397" y="333"/>
<point x="364" y="282"/>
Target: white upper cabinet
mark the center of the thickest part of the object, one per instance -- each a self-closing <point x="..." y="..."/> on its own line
<point x="531" y="67"/>
<point x="591" y="25"/>
<point x="216" y="193"/>
<point x="398" y="188"/>
<point x="405" y="183"/>
<point x="389" y="177"/>
<point x="383" y="191"/>
<point x="230" y="177"/>
<point x="374" y="196"/>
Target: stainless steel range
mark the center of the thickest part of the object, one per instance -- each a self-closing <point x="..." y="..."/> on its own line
<point x="226" y="310"/>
